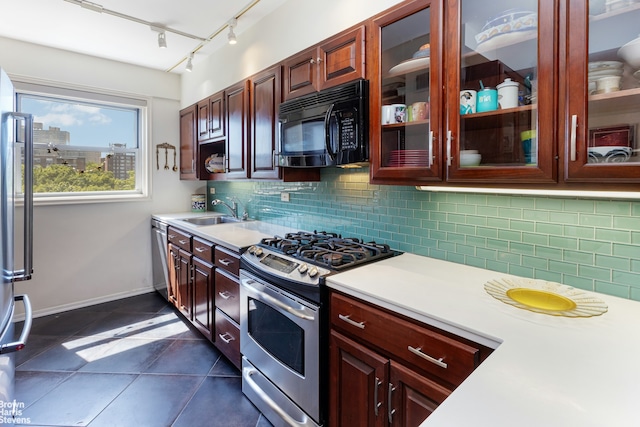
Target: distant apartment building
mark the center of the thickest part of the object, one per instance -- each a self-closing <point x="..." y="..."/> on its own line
<point x="49" y="149"/>
<point x="120" y="163"/>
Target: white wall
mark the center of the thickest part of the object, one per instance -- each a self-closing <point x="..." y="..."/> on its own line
<point x="89" y="253"/>
<point x="295" y="26"/>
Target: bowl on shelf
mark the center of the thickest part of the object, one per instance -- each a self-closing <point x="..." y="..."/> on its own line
<point x="470" y="158"/>
<point x="630" y="53"/>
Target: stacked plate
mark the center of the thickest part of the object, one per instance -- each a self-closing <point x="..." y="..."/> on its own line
<point x="409" y="158"/>
<point x="603" y="69"/>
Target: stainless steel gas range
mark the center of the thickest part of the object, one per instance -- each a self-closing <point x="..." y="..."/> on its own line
<point x="283" y="336"/>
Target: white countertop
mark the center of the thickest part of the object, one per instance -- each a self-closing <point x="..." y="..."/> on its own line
<point x="545" y="370"/>
<point x="236" y="236"/>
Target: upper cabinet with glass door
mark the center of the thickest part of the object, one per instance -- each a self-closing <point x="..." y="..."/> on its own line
<point x="499" y="62"/>
<point x="602" y="91"/>
<point x="406" y="98"/>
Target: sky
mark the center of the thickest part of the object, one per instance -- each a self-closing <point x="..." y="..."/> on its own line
<point x="88" y="125"/>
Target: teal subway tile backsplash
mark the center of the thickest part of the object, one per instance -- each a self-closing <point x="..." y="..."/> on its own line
<point x="592" y="244"/>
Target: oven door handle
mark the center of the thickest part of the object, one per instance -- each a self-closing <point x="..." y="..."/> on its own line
<point x="247" y="373"/>
<point x="261" y="295"/>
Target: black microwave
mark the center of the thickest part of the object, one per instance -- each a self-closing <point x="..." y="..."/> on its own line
<point x="327" y="128"/>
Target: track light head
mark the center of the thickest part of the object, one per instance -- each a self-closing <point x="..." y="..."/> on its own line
<point x="189" y="66"/>
<point x="232" y="36"/>
<point x="162" y="40"/>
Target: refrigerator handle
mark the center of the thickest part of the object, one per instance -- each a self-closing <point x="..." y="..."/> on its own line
<point x="27" y="271"/>
<point x="26" y="328"/>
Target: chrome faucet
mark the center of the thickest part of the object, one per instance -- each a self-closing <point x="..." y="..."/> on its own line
<point x="233" y="208"/>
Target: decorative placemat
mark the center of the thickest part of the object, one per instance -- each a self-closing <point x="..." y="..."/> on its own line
<point x="541" y="296"/>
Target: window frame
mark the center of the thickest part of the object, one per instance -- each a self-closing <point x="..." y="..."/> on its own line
<point x="98" y="97"/>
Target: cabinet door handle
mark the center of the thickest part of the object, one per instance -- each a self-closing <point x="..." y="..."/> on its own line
<point x="226" y="337"/>
<point x="449" y="139"/>
<point x="390" y="403"/>
<point x="574" y="131"/>
<point x="226" y="262"/>
<point x="319" y="60"/>
<point x="430" y="155"/>
<point x="376" y="404"/>
<point x="312" y="61"/>
<point x="225" y="294"/>
<point x="351" y="322"/>
<point x="418" y="352"/>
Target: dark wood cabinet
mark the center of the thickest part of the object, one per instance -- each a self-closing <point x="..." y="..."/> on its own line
<point x="265" y="98"/>
<point x="266" y="95"/>
<point x="211" y="118"/>
<point x="227" y="299"/>
<point x="413" y="397"/>
<point x="203" y="279"/>
<point x="237" y="155"/>
<point x="205" y="287"/>
<point x="358" y="380"/>
<point x="598" y="126"/>
<point x="338" y="60"/>
<point x="188" y="143"/>
<point x="387" y="370"/>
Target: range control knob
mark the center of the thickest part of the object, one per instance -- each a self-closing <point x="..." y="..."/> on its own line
<point x="258" y="252"/>
<point x="303" y="268"/>
<point x="252" y="250"/>
<point x="313" y="271"/>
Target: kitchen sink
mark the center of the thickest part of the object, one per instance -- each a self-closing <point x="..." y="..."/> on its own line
<point x="211" y="220"/>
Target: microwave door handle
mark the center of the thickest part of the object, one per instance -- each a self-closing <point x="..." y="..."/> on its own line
<point x="327" y="131"/>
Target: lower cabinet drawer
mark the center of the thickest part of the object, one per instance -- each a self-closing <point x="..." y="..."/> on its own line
<point x="432" y="351"/>
<point x="227" y="296"/>
<point x="227" y="338"/>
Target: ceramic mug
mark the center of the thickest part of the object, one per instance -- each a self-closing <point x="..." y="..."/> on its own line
<point x="487" y="100"/>
<point x="467" y="102"/>
<point x="399" y="113"/>
<point x="419" y="111"/>
<point x="508" y="94"/>
<point x="388" y="114"/>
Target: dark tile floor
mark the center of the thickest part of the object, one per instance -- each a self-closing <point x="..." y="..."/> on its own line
<point x="132" y="362"/>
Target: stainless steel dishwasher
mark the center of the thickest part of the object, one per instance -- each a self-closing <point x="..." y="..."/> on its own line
<point x="159" y="256"/>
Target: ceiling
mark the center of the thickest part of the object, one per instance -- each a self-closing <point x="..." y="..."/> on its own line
<point x="69" y="25"/>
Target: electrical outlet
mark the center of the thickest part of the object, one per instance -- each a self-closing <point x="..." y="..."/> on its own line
<point x="284" y="197"/>
<point x="212" y="190"/>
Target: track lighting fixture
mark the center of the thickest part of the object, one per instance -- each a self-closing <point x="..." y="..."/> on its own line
<point x="189" y="66"/>
<point x="232" y="36"/>
<point x="162" y="40"/>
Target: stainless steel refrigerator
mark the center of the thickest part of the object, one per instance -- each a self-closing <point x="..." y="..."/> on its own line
<point x="11" y="149"/>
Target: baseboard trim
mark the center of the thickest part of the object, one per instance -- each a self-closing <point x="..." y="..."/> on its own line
<point x="18" y="317"/>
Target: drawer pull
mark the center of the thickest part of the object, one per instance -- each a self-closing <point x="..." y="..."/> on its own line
<point x="225" y="294"/>
<point x="418" y="352"/>
<point x="200" y="249"/>
<point x="226" y="337"/>
<point x="351" y="322"/>
<point x="226" y="262"/>
<point x="172" y="236"/>
<point x="183" y="242"/>
<point x="376" y="404"/>
<point x="390" y="403"/>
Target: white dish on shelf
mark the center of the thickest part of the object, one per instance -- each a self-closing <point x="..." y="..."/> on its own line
<point x="605" y="65"/>
<point x="509" y="21"/>
<point x="506" y="40"/>
<point x="410" y="65"/>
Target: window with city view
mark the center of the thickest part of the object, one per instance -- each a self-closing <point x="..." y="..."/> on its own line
<point x="85" y="144"/>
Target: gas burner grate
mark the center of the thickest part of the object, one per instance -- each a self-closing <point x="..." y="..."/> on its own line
<point x="328" y="249"/>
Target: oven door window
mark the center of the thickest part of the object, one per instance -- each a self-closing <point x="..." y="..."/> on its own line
<point x="278" y="335"/>
<point x="303" y="137"/>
